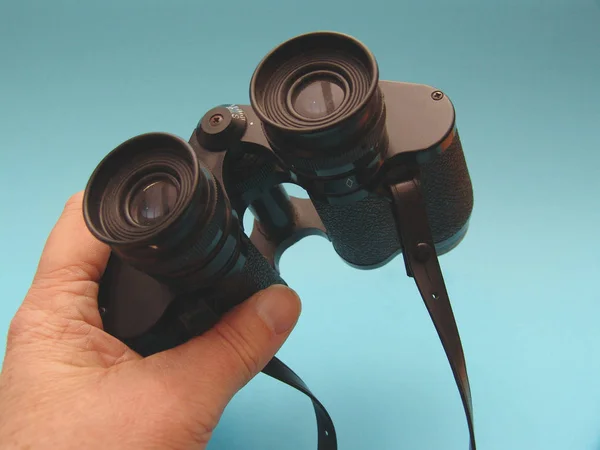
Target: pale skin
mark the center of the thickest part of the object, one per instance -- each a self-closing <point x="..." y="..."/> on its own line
<point x="67" y="384"/>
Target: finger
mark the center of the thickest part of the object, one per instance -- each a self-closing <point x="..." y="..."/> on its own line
<point x="209" y="370"/>
<point x="72" y="263"/>
<point x="71" y="252"/>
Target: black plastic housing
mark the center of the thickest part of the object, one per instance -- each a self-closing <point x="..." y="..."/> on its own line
<point x="151" y="316"/>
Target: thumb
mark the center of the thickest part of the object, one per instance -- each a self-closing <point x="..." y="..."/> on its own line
<point x="207" y="371"/>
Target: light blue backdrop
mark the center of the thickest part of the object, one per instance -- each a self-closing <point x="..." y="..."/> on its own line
<point x="77" y="78"/>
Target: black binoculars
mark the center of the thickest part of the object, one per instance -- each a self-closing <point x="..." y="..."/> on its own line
<point x="381" y="162"/>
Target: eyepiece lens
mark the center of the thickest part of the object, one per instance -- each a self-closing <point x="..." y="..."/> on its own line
<point x="317" y="98"/>
<point x="153" y="201"/>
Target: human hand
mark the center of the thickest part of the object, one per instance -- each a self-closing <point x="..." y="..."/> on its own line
<point x="66" y="384"/>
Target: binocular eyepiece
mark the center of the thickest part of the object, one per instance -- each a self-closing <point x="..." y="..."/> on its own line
<point x="162" y="210"/>
<point x="320" y="104"/>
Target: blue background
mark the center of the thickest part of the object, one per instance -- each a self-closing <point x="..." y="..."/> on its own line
<point x="77" y="78"/>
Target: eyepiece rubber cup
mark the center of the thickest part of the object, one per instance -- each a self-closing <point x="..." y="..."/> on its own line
<point x="194" y="237"/>
<point x="340" y="55"/>
<point x="140" y="160"/>
<point x="338" y="121"/>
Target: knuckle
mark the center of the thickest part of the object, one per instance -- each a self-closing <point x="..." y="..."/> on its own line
<point x="73" y="301"/>
<point x="241" y="349"/>
<point x="65" y="276"/>
<point x="192" y="417"/>
<point x="26" y="322"/>
<point x="18" y="326"/>
<point x="200" y="430"/>
<point x="35" y="325"/>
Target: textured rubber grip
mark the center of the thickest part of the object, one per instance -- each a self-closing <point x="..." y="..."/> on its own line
<point x="255" y="275"/>
<point x="362" y="233"/>
<point x="448" y="192"/>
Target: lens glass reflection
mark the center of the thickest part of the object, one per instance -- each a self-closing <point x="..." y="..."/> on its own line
<point x="153" y="202"/>
<point x="317" y="99"/>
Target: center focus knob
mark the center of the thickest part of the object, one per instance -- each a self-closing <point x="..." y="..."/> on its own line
<point x="221" y="127"/>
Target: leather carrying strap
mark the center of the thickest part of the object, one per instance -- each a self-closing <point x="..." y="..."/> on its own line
<point x="326" y="438"/>
<point x="422" y="264"/>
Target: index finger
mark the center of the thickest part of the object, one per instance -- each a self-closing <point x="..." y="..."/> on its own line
<point x="71" y="264"/>
<point x="71" y="252"/>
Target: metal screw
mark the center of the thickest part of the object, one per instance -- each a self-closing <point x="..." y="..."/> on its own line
<point x="215" y="120"/>
<point x="423" y="252"/>
<point x="437" y="95"/>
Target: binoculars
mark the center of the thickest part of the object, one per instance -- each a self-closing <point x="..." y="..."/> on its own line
<point x="382" y="164"/>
